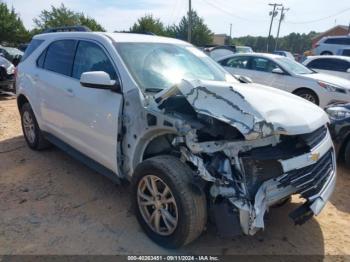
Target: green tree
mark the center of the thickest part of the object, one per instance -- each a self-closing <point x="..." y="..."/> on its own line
<point x="294" y="42"/>
<point x="62" y="16"/>
<point x="148" y="24"/>
<point x="201" y="34"/>
<point x="12" y="30"/>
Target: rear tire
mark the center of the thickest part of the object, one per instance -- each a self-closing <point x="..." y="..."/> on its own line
<point x="326" y="53"/>
<point x="308" y="95"/>
<point x="187" y="206"/>
<point x="31" y="131"/>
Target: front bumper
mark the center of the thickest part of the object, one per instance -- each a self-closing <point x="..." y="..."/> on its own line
<point x="312" y="175"/>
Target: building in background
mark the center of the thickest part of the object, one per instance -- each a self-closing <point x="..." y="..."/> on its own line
<point x="334" y="31"/>
<point x="221" y="39"/>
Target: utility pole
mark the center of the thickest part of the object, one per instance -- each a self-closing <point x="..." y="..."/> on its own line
<point x="272" y="14"/>
<point x="230" y="31"/>
<point x="189" y="21"/>
<point x="279" y="23"/>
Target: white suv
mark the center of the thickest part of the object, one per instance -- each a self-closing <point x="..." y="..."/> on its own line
<point x="330" y="45"/>
<point x="192" y="139"/>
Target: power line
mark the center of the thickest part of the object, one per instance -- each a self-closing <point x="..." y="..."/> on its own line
<point x="319" y="19"/>
<point x="230" y="13"/>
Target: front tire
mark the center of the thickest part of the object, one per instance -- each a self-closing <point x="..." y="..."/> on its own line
<point x="170" y="209"/>
<point x="31" y="131"/>
<point x="308" y="95"/>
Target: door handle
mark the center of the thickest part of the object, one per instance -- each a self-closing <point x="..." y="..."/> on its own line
<point x="69" y="92"/>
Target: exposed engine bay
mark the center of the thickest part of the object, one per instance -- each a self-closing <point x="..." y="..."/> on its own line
<point x="245" y="158"/>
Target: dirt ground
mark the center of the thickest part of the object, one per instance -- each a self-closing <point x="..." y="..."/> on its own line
<point x="52" y="204"/>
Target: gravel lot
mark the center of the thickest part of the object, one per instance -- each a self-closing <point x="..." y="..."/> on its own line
<point x="52" y="204"/>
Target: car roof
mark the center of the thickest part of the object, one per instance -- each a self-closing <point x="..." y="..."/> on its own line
<point x="115" y="37"/>
<point x="337" y="36"/>
<point x="266" y="55"/>
<point x="329" y="56"/>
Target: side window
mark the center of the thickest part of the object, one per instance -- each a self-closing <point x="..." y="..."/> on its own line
<point x="91" y="57"/>
<point x="339" y="65"/>
<point x="238" y="62"/>
<point x="338" y="41"/>
<point x="263" y="64"/>
<point x="40" y="61"/>
<point x="34" y="44"/>
<point x="59" y="56"/>
<point x="330" y="64"/>
<point x="318" y="64"/>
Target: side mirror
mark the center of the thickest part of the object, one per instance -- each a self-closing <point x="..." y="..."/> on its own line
<point x="277" y="71"/>
<point x="243" y="79"/>
<point x="99" y="80"/>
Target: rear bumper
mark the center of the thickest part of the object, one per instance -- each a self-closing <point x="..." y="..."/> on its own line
<point x="8" y="85"/>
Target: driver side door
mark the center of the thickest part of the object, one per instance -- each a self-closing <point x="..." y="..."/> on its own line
<point x="91" y="121"/>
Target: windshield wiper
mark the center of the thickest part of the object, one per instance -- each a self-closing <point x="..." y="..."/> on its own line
<point x="153" y="89"/>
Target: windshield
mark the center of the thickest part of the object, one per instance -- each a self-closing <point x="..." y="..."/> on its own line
<point x="244" y="49"/>
<point x="156" y="66"/>
<point x="293" y="66"/>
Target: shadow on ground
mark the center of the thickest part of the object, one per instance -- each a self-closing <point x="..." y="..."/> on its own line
<point x="52" y="204"/>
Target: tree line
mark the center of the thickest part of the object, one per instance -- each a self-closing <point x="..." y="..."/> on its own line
<point x="13" y="32"/>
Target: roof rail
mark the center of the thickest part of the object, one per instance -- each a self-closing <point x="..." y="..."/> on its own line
<point x="68" y="29"/>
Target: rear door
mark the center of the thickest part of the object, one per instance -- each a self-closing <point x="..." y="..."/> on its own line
<point x="54" y="83"/>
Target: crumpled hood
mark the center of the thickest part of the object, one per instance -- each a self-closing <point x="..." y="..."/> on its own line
<point x="255" y="110"/>
<point x="331" y="79"/>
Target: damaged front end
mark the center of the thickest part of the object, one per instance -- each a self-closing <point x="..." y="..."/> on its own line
<point x="248" y="157"/>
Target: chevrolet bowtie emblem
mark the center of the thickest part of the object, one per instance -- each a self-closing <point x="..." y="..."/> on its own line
<point x="315" y="156"/>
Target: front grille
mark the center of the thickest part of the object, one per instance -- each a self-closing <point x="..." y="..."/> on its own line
<point x="314" y="138"/>
<point x="309" y="180"/>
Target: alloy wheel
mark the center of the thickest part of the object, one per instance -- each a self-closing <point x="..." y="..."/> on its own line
<point x="157" y="205"/>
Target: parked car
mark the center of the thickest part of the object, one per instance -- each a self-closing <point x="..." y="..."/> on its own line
<point x="333" y="65"/>
<point x="344" y="52"/>
<point x="284" y="53"/>
<point x="7" y="75"/>
<point x="12" y="54"/>
<point x="216" y="52"/>
<point x="340" y="130"/>
<point x="191" y="139"/>
<point x="330" y="45"/>
<point x="289" y="75"/>
<point x="244" y="49"/>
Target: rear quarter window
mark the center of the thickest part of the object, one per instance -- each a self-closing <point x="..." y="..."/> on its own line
<point x="34" y="44"/>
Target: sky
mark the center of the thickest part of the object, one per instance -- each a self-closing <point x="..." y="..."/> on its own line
<point x="248" y="17"/>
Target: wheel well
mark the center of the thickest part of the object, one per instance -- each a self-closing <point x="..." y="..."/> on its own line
<point x="309" y="90"/>
<point x="342" y="147"/>
<point x="159" y="145"/>
<point x="21" y="100"/>
<point x="326" y="52"/>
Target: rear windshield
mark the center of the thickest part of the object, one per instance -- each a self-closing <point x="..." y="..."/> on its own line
<point x="34" y="44"/>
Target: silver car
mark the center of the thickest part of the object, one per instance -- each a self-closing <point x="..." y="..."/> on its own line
<point x="289" y="75"/>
